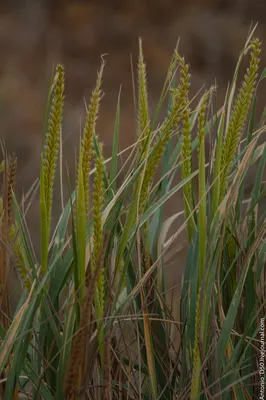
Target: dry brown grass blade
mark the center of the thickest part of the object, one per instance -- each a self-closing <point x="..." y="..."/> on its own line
<point x="8" y="187"/>
<point x="12" y="169"/>
<point x="107" y="367"/>
<point x="15" y="326"/>
<point x="78" y="358"/>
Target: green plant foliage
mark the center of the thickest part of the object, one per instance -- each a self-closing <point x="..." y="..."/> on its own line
<point x="94" y="320"/>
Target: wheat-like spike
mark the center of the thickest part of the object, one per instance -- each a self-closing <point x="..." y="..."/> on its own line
<point x="152" y="164"/>
<point x="186" y="170"/>
<point x="239" y="116"/>
<point x="52" y="138"/>
<point x="97" y="222"/>
<point x="186" y="153"/>
<point x="146" y="263"/>
<point x="105" y="171"/>
<point x="143" y="108"/>
<point x="196" y="353"/>
<point x="73" y="378"/>
<point x="89" y="132"/>
<point x="201" y="118"/>
<point x="169" y="126"/>
<point x="4" y="254"/>
<point x="15" y="238"/>
<point x="202" y="185"/>
<point x="145" y="257"/>
<point x="12" y="169"/>
<point x="180" y="94"/>
<point x="78" y="355"/>
<point x="1" y="208"/>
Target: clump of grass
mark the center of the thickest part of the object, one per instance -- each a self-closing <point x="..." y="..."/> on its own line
<point x="93" y="321"/>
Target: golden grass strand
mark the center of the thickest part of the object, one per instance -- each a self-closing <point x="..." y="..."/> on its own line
<point x="12" y="169"/>
<point x="186" y="170"/>
<point x="51" y="150"/>
<point x="202" y="187"/>
<point x="89" y="132"/>
<point x="107" y="367"/>
<point x="239" y="116"/>
<point x="195" y="384"/>
<point x="78" y="357"/>
<point x="143" y="110"/>
<point x="98" y="206"/>
<point x="98" y="195"/>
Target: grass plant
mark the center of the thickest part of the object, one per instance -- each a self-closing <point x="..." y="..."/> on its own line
<point x="92" y="320"/>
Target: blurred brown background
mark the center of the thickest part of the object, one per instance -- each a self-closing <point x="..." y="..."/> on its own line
<point x="37" y="34"/>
